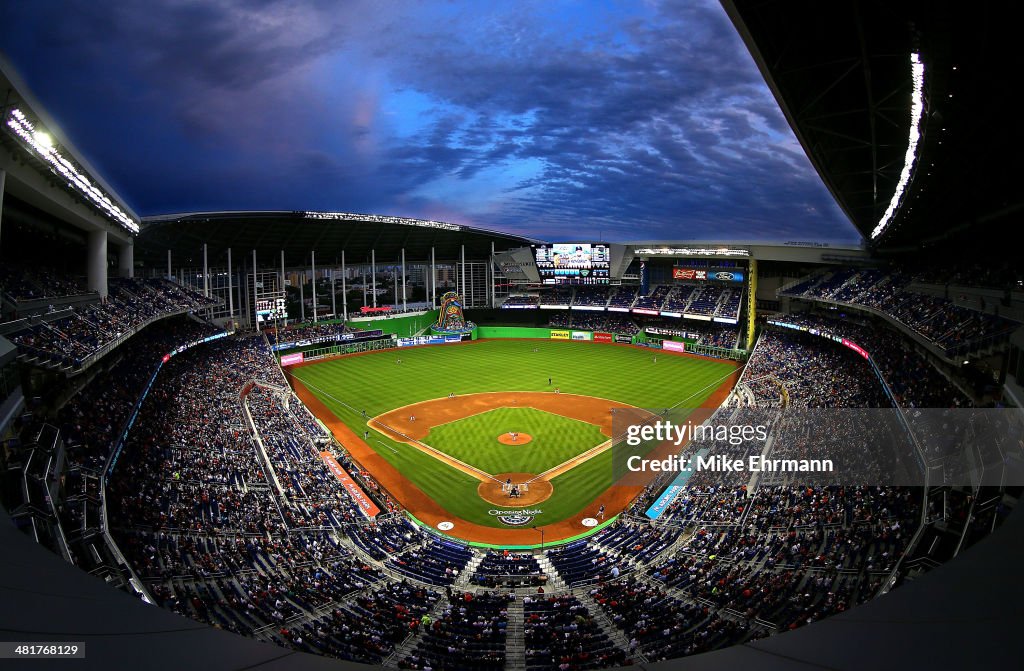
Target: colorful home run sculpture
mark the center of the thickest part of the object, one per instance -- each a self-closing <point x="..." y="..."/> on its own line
<point x="450" y="319"/>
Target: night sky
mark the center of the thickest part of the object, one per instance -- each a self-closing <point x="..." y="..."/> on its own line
<point x="581" y="119"/>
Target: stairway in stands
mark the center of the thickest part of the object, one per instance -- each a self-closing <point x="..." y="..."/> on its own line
<point x="406" y="647"/>
<point x="615" y="635"/>
<point x="515" y="637"/>
<point x="466" y="575"/>
<point x="555" y="582"/>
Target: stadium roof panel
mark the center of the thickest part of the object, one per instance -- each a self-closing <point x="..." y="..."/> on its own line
<point x="299" y="232"/>
<point x="843" y="77"/>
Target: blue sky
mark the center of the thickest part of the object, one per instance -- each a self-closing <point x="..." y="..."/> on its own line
<point x="624" y="120"/>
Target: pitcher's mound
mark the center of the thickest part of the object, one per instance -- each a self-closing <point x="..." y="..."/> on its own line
<point x="536" y="491"/>
<point x="511" y="438"/>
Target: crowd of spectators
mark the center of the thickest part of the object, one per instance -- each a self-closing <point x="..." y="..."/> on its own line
<point x="307" y="331"/>
<point x="70" y="336"/>
<point x="949" y="326"/>
<point x="594" y="321"/>
<point x="914" y="382"/>
<point x="469" y="634"/>
<point x="562" y="634"/>
<point x="800" y="370"/>
<point x="20" y="282"/>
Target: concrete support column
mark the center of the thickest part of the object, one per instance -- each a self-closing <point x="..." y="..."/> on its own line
<point x="334" y="299"/>
<point x="490" y="267"/>
<point x="282" y="273"/>
<point x="344" y="288"/>
<point x="3" y="180"/>
<point x="403" y="279"/>
<point x="433" y="278"/>
<point x="96" y="263"/>
<point x="126" y="260"/>
<point x="206" y="273"/>
<point x="170" y="273"/>
<point x="302" y="298"/>
<point x="256" y="319"/>
<point x="312" y="260"/>
<point x="231" y="293"/>
<point x="373" y="275"/>
<point x="465" y="299"/>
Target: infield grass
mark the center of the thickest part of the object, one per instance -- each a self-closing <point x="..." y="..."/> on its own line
<point x="555" y="440"/>
<point x="376" y="383"/>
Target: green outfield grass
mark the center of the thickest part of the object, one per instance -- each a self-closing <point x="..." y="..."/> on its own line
<point x="556" y="439"/>
<point x="375" y="383"/>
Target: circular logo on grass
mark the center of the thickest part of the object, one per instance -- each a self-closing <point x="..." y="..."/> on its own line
<point x="589" y="522"/>
<point x="515" y="518"/>
<point x="445" y="526"/>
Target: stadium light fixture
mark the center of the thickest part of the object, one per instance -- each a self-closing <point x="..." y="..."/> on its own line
<point x="43" y="139"/>
<point x="41" y="143"/>
<point x="382" y="219"/>
<point x="910" y="159"/>
<point x="690" y="251"/>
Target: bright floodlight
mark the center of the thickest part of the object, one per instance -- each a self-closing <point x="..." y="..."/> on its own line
<point x="43" y="139"/>
<point x="909" y="161"/>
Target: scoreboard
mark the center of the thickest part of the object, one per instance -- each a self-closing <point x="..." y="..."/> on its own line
<point x="573" y="263"/>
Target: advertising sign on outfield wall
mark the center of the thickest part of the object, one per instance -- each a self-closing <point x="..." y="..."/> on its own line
<point x="581" y="335"/>
<point x="673" y="346"/>
<point x="291" y="359"/>
<point x="560" y="335"/>
<point x="603" y="337"/>
<point x="623" y="338"/>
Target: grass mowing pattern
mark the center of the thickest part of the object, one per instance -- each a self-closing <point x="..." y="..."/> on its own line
<point x="556" y="439"/>
<point x="377" y="384"/>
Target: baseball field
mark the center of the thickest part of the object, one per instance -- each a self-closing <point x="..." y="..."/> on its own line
<point x="449" y="430"/>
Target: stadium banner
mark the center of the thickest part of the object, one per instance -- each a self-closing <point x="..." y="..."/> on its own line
<point x="581" y="335"/>
<point x="560" y="335"/>
<point x="726" y="320"/>
<point x="689" y="274"/>
<point x="856" y="348"/>
<point x="671" y="314"/>
<point x="428" y="340"/>
<point x="645" y="311"/>
<point x="671" y="492"/>
<point x="673" y="346"/>
<point x="618" y="309"/>
<point x="603" y="337"/>
<point x="702" y="318"/>
<point x="701" y="274"/>
<point x="726" y="275"/>
<point x="368" y="507"/>
<point x="292" y="359"/>
<point x="623" y="338"/>
<point x="590" y="308"/>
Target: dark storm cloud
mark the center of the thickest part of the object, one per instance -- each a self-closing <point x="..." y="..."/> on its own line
<point x="638" y="120"/>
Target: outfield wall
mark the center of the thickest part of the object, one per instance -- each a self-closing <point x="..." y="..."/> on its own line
<point x="544" y="333"/>
<point x="405" y="325"/>
<point x="512" y="332"/>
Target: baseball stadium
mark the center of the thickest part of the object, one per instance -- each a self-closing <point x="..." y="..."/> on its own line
<point x="320" y="439"/>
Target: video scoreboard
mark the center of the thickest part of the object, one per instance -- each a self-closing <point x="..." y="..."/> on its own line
<point x="573" y="263"/>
